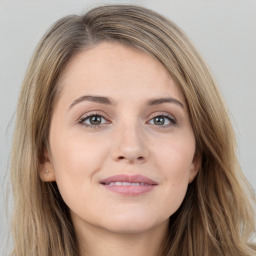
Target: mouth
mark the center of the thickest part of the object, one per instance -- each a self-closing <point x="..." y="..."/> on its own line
<point x="129" y="185"/>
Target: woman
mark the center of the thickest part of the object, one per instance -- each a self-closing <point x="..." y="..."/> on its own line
<point x="123" y="145"/>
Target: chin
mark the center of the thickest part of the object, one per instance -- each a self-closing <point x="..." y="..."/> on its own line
<point x="130" y="229"/>
<point x="133" y="224"/>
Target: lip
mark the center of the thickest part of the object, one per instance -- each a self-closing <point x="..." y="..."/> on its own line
<point x="141" y="184"/>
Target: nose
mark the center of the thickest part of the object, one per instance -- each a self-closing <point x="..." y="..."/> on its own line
<point x="130" y="145"/>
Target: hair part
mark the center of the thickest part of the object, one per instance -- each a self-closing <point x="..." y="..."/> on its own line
<point x="216" y="216"/>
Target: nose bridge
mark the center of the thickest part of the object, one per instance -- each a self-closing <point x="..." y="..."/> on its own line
<point x="130" y="141"/>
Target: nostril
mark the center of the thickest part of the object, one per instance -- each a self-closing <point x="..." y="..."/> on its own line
<point x="140" y="158"/>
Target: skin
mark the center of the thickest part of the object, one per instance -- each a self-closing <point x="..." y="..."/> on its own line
<point x="128" y="140"/>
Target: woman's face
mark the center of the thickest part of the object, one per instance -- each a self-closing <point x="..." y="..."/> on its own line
<point x="121" y="144"/>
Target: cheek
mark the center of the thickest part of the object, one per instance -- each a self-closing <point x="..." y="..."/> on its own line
<point x="75" y="163"/>
<point x="176" y="163"/>
<point x="74" y="153"/>
<point x="176" y="159"/>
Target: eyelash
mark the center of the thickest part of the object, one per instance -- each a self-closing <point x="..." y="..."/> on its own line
<point x="164" y="115"/>
<point x="171" y="119"/>
<point x="89" y="115"/>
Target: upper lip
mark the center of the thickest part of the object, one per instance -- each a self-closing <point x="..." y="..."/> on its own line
<point x="129" y="178"/>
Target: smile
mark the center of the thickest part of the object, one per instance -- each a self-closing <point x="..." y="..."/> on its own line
<point x="118" y="183"/>
<point x="129" y="185"/>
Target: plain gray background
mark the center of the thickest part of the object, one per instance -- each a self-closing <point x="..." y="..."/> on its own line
<point x="223" y="31"/>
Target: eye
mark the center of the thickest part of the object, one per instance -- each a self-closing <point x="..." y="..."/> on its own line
<point x="93" y="120"/>
<point x="162" y="120"/>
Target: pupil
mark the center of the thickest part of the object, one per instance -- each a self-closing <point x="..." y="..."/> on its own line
<point x="95" y="120"/>
<point x="159" y="120"/>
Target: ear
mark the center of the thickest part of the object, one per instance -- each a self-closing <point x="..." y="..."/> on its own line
<point x="195" y="166"/>
<point x="46" y="171"/>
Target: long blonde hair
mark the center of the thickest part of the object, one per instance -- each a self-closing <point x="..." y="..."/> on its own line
<point x="217" y="215"/>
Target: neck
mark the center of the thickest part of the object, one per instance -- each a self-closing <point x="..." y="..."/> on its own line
<point x="93" y="241"/>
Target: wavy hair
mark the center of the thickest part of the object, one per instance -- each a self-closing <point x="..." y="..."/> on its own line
<point x="216" y="217"/>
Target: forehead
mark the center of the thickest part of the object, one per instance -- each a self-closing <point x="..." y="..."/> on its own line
<point x="119" y="70"/>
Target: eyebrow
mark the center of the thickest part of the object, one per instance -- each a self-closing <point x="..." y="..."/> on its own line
<point x="108" y="101"/>
<point x="165" y="100"/>
<point x="99" y="99"/>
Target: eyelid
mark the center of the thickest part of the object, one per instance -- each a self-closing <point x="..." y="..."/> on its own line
<point x="165" y="114"/>
<point x="93" y="113"/>
<point x="172" y="118"/>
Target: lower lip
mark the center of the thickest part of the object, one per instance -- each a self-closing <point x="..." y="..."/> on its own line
<point x="130" y="190"/>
